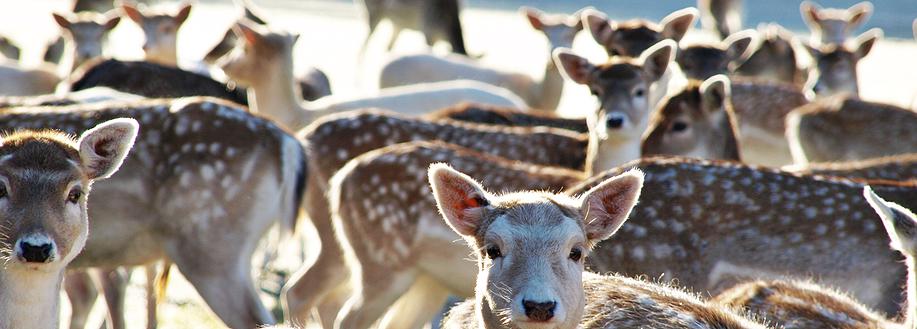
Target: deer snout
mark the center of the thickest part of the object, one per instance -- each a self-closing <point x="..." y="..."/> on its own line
<point x="539" y="311"/>
<point x="615" y="120"/>
<point x="36" y="248"/>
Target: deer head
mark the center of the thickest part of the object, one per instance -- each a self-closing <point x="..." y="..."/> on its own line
<point x="835" y="70"/>
<point x="832" y="26"/>
<point x="772" y="56"/>
<point x="697" y="122"/>
<point x="87" y="32"/>
<point x="703" y="61"/>
<point x="260" y="52"/>
<point x="633" y="37"/>
<point x="559" y="29"/>
<point x="160" y="31"/>
<point x="531" y="246"/>
<point x="44" y="180"/>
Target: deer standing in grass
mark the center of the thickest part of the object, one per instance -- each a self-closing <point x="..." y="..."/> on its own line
<point x="160" y="31"/>
<point x="46" y="179"/>
<point x="835" y="65"/>
<point x="833" y="26"/>
<point x="188" y="193"/>
<point x="543" y="93"/>
<point x="794" y="304"/>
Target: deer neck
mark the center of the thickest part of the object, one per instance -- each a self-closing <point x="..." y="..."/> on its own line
<point x="274" y="96"/>
<point x="29" y="299"/>
<point x="608" y="152"/>
<point x="551" y="88"/>
<point x="486" y="318"/>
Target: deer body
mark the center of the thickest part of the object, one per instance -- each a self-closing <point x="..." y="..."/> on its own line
<point x="892" y="168"/>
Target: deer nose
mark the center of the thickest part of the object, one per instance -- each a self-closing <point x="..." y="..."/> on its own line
<point x="614" y="121"/>
<point x="539" y="311"/>
<point x="40" y="253"/>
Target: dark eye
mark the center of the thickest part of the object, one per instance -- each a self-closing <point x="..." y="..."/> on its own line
<point x="576" y="254"/>
<point x="74" y="195"/>
<point x="679" y="126"/>
<point x="493" y="252"/>
<point x="639" y="92"/>
<point x="3" y="193"/>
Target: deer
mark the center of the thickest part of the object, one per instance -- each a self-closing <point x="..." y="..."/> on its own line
<point x="47" y="177"/>
<point x="799" y="304"/>
<point x="890" y="168"/>
<point x="835" y="68"/>
<point x="772" y="57"/>
<point x="504" y="116"/>
<point x="724" y="17"/>
<point x="844" y="128"/>
<point x="531" y="248"/>
<point x="543" y="93"/>
<point x="833" y="26"/>
<point x="9" y="48"/>
<point x="265" y="65"/>
<point x="84" y="36"/>
<point x="704" y="60"/>
<point x="16" y="80"/>
<point x="437" y="20"/>
<point x="160" y="31"/>
<point x="150" y="214"/>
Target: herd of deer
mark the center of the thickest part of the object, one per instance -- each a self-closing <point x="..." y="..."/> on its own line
<point x="750" y="185"/>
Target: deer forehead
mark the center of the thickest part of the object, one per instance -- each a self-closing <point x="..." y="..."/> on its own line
<point x="618" y="74"/>
<point x="44" y="151"/>
<point x="535" y="212"/>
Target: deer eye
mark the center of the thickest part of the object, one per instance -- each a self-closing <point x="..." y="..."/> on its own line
<point x="75" y="194"/>
<point x="639" y="92"/>
<point x="679" y="126"/>
<point x="576" y="254"/>
<point x="493" y="252"/>
<point x="3" y="192"/>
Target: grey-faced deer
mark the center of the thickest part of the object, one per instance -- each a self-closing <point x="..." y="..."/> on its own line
<point x="160" y="31"/>
<point x="265" y="64"/>
<point x="622" y="86"/>
<point x="721" y="16"/>
<point x="186" y="188"/>
<point x="835" y="68"/>
<point x="9" y="48"/>
<point x="773" y="57"/>
<point x="437" y="20"/>
<point x="702" y="61"/>
<point x="794" y="304"/>
<point x="844" y="128"/>
<point x="545" y="94"/>
<point x="833" y="26"/>
<point x="85" y="35"/>
<point x="46" y="181"/>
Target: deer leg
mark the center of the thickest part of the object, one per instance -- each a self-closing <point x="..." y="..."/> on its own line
<point x="82" y="293"/>
<point x="114" y="284"/>
<point x="418" y="306"/>
<point x="368" y="303"/>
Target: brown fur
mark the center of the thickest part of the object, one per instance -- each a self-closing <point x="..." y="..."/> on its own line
<point x="632" y="37"/>
<point x="893" y="168"/>
<point x="487" y="114"/>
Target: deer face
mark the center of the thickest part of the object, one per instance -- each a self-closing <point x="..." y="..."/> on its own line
<point x="531" y="246"/>
<point x="832" y="26"/>
<point x="160" y="32"/>
<point x="700" y="62"/>
<point x="835" y="69"/>
<point x="88" y="32"/>
<point x="44" y="181"/>
<point x="773" y="57"/>
<point x="260" y="52"/>
<point x="631" y="38"/>
<point x="696" y="122"/>
<point x="560" y="29"/>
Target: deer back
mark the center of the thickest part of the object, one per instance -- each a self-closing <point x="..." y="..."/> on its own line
<point x="505" y="116"/>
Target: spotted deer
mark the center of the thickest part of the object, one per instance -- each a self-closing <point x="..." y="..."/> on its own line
<point x="844" y="128"/>
<point x="773" y="57"/>
<point x="704" y="60"/>
<point x="186" y="188"/>
<point x="543" y="93"/>
<point x="46" y="181"/>
<point x="160" y="30"/>
<point x="721" y="16"/>
<point x="265" y="64"/>
<point x="531" y="248"/>
<point x="84" y="35"/>
<point x="437" y="20"/>
<point x="504" y="116"/>
<point x="833" y="26"/>
<point x="795" y="304"/>
<point x="901" y="167"/>
<point x="835" y="68"/>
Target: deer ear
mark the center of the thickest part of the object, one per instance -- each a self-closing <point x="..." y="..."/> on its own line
<point x="715" y="93"/>
<point x="738" y="44"/>
<point x="183" y="14"/>
<point x="866" y="41"/>
<point x="900" y="223"/>
<point x="608" y="205"/>
<point x="61" y="20"/>
<point x="460" y="199"/>
<point x="132" y="12"/>
<point x="656" y="59"/>
<point x="809" y="11"/>
<point x="677" y="24"/>
<point x="534" y="17"/>
<point x="858" y="14"/>
<point x="574" y="67"/>
<point x="103" y="148"/>
<point x="599" y="26"/>
<point x="112" y="22"/>
<point x="246" y="32"/>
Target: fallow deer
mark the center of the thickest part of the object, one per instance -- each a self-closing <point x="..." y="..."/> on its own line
<point x="891" y="168"/>
<point x="230" y="39"/>
<point x="160" y="31"/>
<point x="9" y="48"/>
<point x="721" y="16"/>
<point x="835" y="65"/>
<point x="544" y="94"/>
<point x="702" y="61"/>
<point x="85" y="35"/>
<point x="794" y="304"/>
<point x="773" y="57"/>
<point x="186" y="188"/>
<point x="437" y="20"/>
<point x="46" y="181"/>
<point x="844" y="128"/>
<point x="265" y="64"/>
<point x="503" y="116"/>
<point x="833" y="26"/>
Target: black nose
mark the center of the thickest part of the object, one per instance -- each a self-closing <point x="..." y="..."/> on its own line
<point x="35" y="254"/>
<point x="615" y="122"/>
<point x="539" y="311"/>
